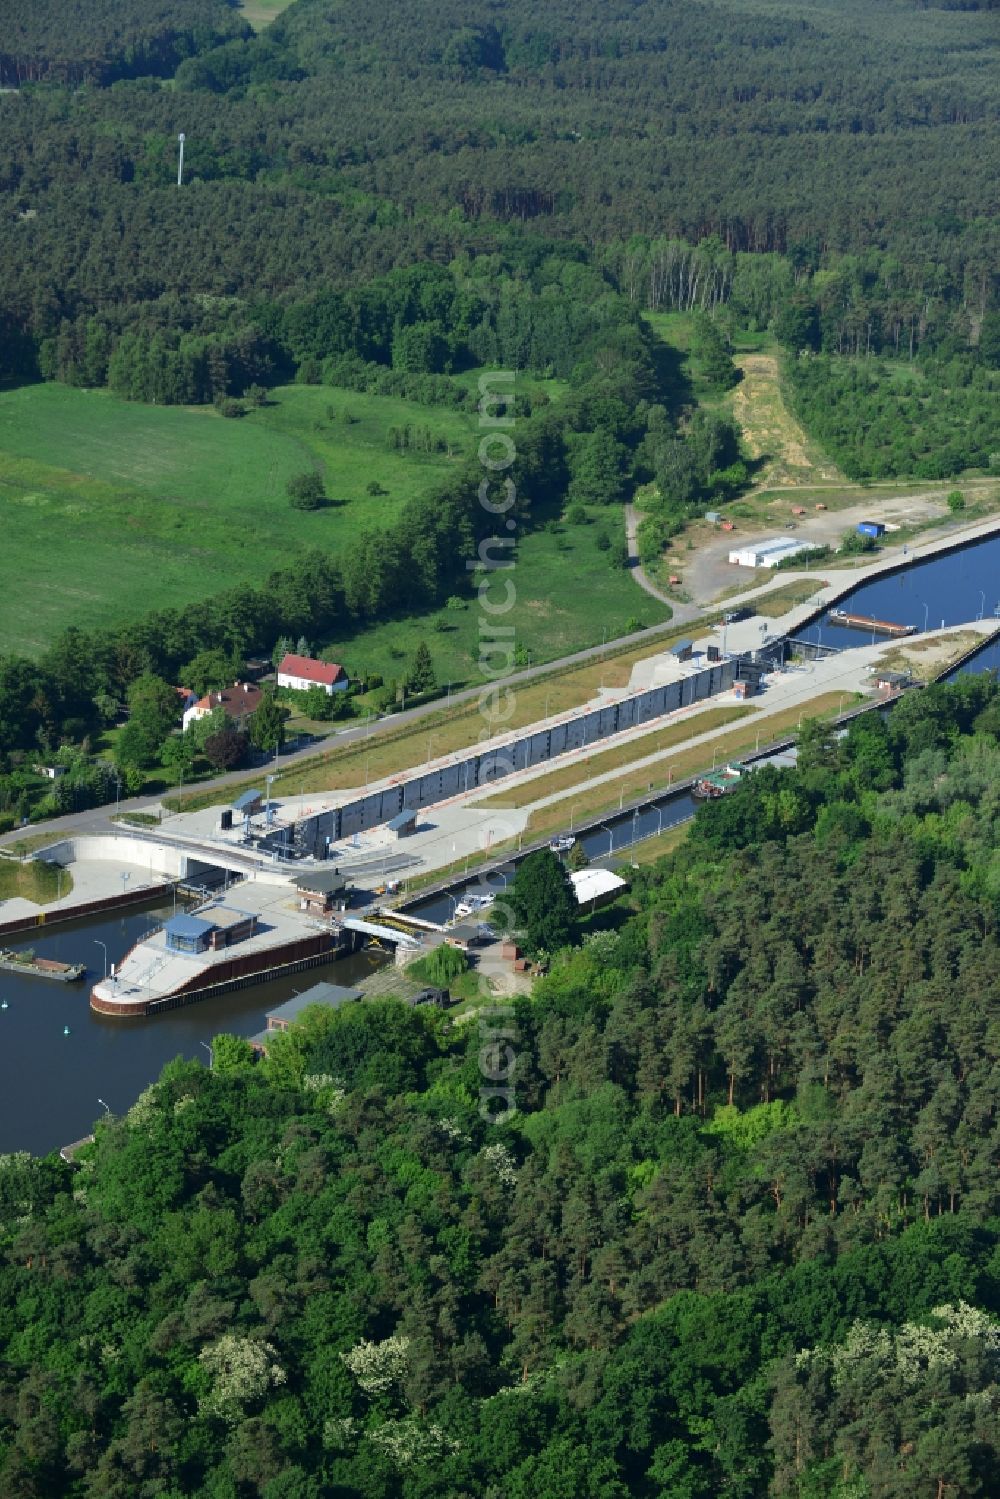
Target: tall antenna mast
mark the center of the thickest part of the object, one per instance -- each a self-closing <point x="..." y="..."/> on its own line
<point x="180" y="159"/>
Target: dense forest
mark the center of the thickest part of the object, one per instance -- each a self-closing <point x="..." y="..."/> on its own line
<point x="929" y="420"/>
<point x="63" y="42"/>
<point x="791" y="135"/>
<point x="739" y="1238"/>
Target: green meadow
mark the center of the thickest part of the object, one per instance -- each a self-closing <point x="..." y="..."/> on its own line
<point x="567" y="596"/>
<point x="110" y="508"/>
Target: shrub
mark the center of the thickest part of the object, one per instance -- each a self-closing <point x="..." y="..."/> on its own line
<point x="444" y="965"/>
<point x="305" y="491"/>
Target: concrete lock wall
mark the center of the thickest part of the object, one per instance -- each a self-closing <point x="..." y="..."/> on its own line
<point x="159" y="857"/>
<point x="532" y="748"/>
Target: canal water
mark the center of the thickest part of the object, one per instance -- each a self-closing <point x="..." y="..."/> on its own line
<point x="51" y="1083"/>
<point x="949" y="590"/>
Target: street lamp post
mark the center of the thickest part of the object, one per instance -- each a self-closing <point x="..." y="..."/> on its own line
<point x="99" y="943"/>
<point x="211" y="1054"/>
<point x="104" y="1106"/>
<point x="926" y="615"/>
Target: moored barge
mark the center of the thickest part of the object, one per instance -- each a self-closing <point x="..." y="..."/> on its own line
<point x="43" y="968"/>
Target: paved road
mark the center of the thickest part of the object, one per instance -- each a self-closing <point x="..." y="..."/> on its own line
<point x="99" y="819"/>
<point x="681" y="612"/>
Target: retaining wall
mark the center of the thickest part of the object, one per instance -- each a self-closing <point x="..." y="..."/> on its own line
<point x="533" y="747"/>
<point x="63" y="914"/>
<point x="160" y="858"/>
<point x="237" y="973"/>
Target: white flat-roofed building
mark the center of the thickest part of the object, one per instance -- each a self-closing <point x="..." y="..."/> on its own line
<point x="768" y="553"/>
<point x="596" y="884"/>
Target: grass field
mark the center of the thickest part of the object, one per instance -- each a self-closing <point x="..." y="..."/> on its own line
<point x="778" y="602"/>
<point x="261" y="13"/>
<point x="771" y="433"/>
<point x="568" y="597"/>
<point x="925" y="657"/>
<point x="34" y="881"/>
<point x="112" y="508"/>
<point x="657" y="847"/>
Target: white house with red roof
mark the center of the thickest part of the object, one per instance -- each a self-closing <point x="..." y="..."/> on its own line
<point x="303" y="672"/>
<point x="239" y="703"/>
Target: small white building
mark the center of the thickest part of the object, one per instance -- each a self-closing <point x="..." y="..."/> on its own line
<point x="595" y="884"/>
<point x="303" y="672"/>
<point x="768" y="553"/>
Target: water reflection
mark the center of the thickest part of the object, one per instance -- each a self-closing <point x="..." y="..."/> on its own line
<point x="50" y="1081"/>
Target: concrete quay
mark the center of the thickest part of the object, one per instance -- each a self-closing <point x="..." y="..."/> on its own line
<point x="155" y="975"/>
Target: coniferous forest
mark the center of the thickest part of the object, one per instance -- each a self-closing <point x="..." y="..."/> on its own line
<point x="741" y="1236"/>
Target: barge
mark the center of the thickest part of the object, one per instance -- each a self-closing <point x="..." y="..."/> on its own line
<point x="718" y="782"/>
<point x="43" y="968"/>
<point x="871" y="625"/>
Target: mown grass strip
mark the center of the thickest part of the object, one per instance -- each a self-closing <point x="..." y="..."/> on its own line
<point x="449" y="731"/>
<point x="686" y="763"/>
<point x="581" y="771"/>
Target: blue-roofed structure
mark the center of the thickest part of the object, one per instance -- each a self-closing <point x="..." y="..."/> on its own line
<point x="248" y="803"/>
<point x="403" y="823"/>
<point x="188" y="933"/>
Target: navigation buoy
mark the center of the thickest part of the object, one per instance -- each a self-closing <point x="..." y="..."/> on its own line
<point x="65" y="1030"/>
<point x="3" y="1004"/>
